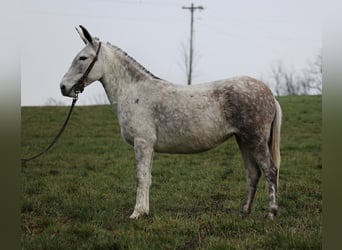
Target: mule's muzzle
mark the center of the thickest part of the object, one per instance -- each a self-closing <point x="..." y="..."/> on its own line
<point x="64" y="90"/>
<point x="73" y="91"/>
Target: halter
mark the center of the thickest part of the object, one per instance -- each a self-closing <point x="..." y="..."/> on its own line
<point x="79" y="86"/>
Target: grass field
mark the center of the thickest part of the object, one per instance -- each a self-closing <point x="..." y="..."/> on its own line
<point x="80" y="194"/>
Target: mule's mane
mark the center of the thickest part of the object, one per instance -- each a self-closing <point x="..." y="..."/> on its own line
<point x="132" y="61"/>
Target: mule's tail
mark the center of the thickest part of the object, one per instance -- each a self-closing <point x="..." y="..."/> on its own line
<point x="275" y="138"/>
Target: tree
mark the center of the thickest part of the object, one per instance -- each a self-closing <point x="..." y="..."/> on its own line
<point x="185" y="63"/>
<point x="305" y="82"/>
<point x="285" y="81"/>
<point x="313" y="75"/>
<point x="276" y="75"/>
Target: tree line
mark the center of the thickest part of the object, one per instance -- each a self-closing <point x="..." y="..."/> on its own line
<point x="309" y="81"/>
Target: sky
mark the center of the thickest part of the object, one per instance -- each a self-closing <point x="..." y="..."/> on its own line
<point x="232" y="38"/>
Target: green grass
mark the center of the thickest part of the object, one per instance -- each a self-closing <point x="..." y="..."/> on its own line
<point x="80" y="194"/>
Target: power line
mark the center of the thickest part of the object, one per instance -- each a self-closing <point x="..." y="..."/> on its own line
<point x="192" y="9"/>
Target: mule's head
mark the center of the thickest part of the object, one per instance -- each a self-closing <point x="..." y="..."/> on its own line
<point x="70" y="82"/>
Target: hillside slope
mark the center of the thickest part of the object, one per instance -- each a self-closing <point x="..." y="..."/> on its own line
<point x="80" y="194"/>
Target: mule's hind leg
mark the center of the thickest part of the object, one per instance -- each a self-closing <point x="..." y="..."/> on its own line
<point x="263" y="158"/>
<point x="143" y="155"/>
<point x="253" y="174"/>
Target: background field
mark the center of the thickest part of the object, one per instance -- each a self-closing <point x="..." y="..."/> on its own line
<point x="80" y="195"/>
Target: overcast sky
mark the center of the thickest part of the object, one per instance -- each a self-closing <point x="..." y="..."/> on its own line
<point x="231" y="38"/>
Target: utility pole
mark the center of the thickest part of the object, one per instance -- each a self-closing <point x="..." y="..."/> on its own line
<point x="192" y="8"/>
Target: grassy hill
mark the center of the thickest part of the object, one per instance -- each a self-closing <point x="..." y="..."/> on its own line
<point x="80" y="194"/>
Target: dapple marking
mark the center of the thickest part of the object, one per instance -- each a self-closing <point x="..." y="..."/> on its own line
<point x="158" y="116"/>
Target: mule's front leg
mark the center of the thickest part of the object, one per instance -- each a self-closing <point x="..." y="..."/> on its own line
<point x="143" y="155"/>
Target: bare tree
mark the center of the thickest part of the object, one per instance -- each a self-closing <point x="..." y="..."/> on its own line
<point x="185" y="64"/>
<point x="289" y="82"/>
<point x="312" y="75"/>
<point x="284" y="81"/>
<point x="276" y="75"/>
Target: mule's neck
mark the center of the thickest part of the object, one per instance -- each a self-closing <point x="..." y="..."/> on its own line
<point x="121" y="70"/>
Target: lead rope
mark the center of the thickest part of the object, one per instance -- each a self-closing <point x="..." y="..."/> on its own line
<point x="24" y="160"/>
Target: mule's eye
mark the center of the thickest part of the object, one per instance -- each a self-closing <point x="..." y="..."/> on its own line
<point x="82" y="58"/>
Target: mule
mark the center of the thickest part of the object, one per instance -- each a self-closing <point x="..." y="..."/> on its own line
<point x="158" y="116"/>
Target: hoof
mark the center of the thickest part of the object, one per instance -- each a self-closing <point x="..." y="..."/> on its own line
<point x="136" y="215"/>
<point x="245" y="211"/>
<point x="272" y="213"/>
<point x="270" y="216"/>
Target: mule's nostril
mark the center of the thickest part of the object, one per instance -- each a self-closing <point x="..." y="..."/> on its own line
<point x="63" y="89"/>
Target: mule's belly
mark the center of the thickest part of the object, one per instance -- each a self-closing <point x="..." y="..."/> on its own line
<point x="191" y="138"/>
<point x="188" y="145"/>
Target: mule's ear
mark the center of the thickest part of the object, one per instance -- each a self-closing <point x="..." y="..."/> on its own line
<point x="85" y="35"/>
<point x="81" y="35"/>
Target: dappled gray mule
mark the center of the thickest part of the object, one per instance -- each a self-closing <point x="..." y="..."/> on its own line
<point x="157" y="116"/>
